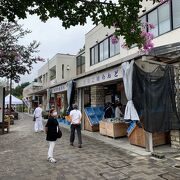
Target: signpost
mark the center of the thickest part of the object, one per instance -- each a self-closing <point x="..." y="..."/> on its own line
<point x="2" y="93"/>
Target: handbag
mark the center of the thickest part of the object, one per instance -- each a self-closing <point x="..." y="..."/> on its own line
<point x="59" y="133"/>
<point x="34" y="119"/>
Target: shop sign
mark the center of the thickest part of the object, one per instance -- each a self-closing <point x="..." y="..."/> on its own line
<point x="59" y="88"/>
<point x="105" y="76"/>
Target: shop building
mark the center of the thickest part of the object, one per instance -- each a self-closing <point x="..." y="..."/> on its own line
<point x="98" y="74"/>
<point x="57" y="70"/>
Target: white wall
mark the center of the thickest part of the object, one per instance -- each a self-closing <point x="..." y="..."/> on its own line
<point x="57" y="61"/>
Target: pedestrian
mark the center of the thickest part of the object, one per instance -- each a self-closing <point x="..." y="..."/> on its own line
<point x="75" y="117"/>
<point x="51" y="129"/>
<point x="118" y="112"/>
<point x="38" y="126"/>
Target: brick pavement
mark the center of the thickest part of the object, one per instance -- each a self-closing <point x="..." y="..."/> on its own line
<point x="23" y="157"/>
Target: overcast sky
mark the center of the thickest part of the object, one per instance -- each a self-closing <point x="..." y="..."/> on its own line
<point x="53" y="38"/>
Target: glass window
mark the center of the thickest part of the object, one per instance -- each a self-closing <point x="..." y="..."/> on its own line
<point x="83" y="68"/>
<point x="101" y="51"/>
<point x="78" y="70"/>
<point x="96" y="58"/>
<point x="164" y="18"/>
<point x="106" y="52"/>
<point x="153" y="19"/>
<point x="92" y="56"/>
<point x="114" y="48"/>
<point x="62" y="71"/>
<point x="143" y="22"/>
<point x="80" y="64"/>
<point x="176" y="13"/>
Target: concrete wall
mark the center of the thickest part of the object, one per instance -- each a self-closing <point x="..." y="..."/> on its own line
<point x="97" y="95"/>
<point x="56" y="62"/>
<point x="175" y="139"/>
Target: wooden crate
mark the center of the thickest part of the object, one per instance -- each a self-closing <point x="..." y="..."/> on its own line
<point x="88" y="126"/>
<point x="116" y="129"/>
<point x="137" y="137"/>
<point x="102" y="127"/>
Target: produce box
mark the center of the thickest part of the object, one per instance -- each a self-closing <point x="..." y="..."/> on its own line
<point x="137" y="137"/>
<point x="102" y="127"/>
<point x="116" y="129"/>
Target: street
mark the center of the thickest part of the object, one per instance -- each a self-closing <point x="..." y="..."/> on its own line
<point x="23" y="156"/>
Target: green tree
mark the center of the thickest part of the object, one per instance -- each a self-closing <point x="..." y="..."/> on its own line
<point x="16" y="59"/>
<point x="17" y="91"/>
<point x="123" y="14"/>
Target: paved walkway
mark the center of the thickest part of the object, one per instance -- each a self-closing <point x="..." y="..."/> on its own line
<point x="23" y="157"/>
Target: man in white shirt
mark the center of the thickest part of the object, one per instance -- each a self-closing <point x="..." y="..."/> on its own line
<point x="76" y="116"/>
<point x="38" y="126"/>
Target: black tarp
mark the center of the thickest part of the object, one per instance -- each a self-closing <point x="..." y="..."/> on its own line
<point x="70" y="94"/>
<point x="154" y="98"/>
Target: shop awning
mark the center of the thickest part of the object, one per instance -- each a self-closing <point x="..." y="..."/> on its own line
<point x="167" y="53"/>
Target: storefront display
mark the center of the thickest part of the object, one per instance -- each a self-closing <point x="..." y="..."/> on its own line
<point x="92" y="117"/>
<point x="113" y="127"/>
<point x="137" y="137"/>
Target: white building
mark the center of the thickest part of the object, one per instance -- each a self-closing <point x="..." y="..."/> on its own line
<point x="57" y="70"/>
<point x="97" y="70"/>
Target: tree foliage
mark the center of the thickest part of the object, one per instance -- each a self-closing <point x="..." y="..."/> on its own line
<point x="123" y="14"/>
<point x="16" y="59"/>
<point x="17" y="91"/>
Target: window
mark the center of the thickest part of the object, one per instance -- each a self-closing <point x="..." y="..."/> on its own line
<point x="153" y="19"/>
<point x="62" y="71"/>
<point x="164" y="18"/>
<point x="176" y="13"/>
<point x="143" y="21"/>
<point x="103" y="50"/>
<point x="114" y="48"/>
<point x="80" y="64"/>
<point x="94" y="55"/>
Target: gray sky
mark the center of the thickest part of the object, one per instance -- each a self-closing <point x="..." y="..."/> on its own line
<point x="53" y="38"/>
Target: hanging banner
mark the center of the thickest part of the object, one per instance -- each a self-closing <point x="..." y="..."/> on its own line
<point x="70" y="94"/>
<point x="26" y="102"/>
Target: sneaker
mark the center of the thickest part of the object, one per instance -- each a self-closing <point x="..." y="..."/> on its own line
<point x="71" y="144"/>
<point x="52" y="160"/>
